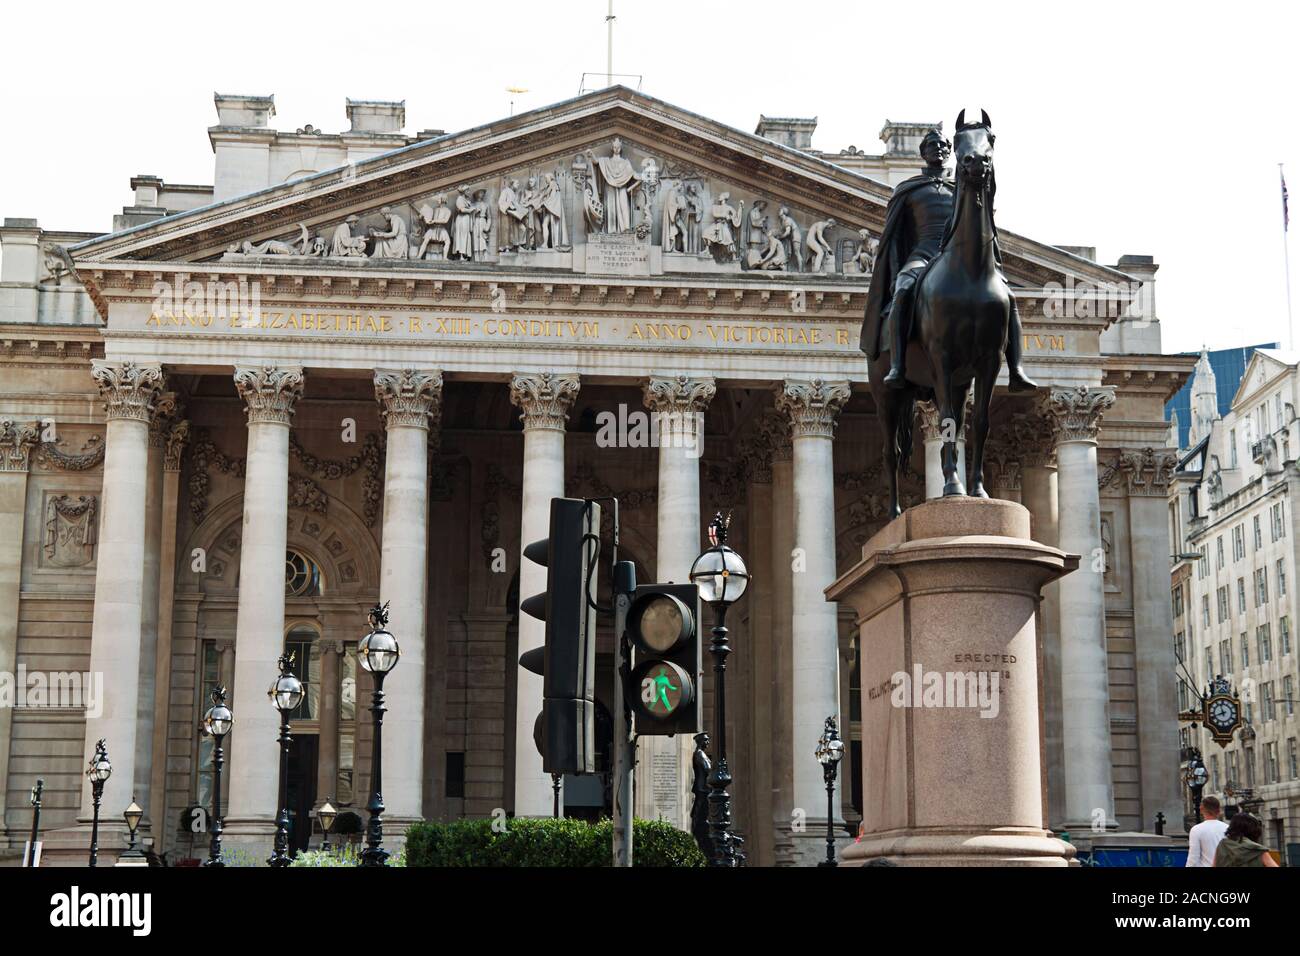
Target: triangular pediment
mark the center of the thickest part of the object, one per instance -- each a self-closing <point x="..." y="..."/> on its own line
<point x="468" y="194"/>
<point x="1264" y="367"/>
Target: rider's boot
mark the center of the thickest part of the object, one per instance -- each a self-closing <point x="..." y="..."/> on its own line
<point x="900" y="311"/>
<point x="1017" y="380"/>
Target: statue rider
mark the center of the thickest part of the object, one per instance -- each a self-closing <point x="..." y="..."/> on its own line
<point x="915" y="220"/>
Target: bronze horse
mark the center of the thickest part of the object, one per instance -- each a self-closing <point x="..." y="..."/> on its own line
<point x="959" y="326"/>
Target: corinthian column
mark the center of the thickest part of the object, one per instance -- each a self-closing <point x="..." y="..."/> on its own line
<point x="270" y="394"/>
<point x="545" y="399"/>
<point x="678" y="403"/>
<point x="408" y="400"/>
<point x="130" y="393"/>
<point x="812" y="408"/>
<point x="1085" y="723"/>
<point x="16" y="444"/>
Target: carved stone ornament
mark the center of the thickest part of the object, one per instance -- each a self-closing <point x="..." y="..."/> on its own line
<point x="90" y="456"/>
<point x="130" y="391"/>
<point x="178" y="436"/>
<point x="1077" y="411"/>
<point x="70" y="530"/>
<point x="16" y="444"/>
<point x="408" y="396"/>
<point x="775" y="426"/>
<point x="163" y="411"/>
<point x="269" y="392"/>
<point x="679" y="401"/>
<point x="1144" y="472"/>
<point x="1031" y="435"/>
<point x="813" y="406"/>
<point x="544" y="397"/>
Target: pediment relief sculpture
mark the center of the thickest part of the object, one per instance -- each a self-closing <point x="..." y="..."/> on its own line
<point x="605" y="195"/>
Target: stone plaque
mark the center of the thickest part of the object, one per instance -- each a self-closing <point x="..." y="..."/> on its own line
<point x="618" y="254"/>
<point x="665" y="781"/>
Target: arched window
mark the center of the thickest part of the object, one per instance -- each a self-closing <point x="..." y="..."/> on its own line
<point x="302" y="577"/>
<point x="301" y="643"/>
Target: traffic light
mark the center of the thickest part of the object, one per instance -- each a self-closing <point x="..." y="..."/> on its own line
<point x="568" y="606"/>
<point x="664" y="683"/>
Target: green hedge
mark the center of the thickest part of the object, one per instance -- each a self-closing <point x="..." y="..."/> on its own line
<point x="544" y="843"/>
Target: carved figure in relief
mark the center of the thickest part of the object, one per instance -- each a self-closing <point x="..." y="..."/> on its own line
<point x="481" y="225"/>
<point x="720" y="233"/>
<point x="615" y="182"/>
<point x="276" y="247"/>
<point x="70" y="530"/>
<point x="820" y="256"/>
<point x="755" y="234"/>
<point x="435" y="220"/>
<point x="552" y="230"/>
<point x="514" y="218"/>
<point x="694" y="213"/>
<point x="773" y="258"/>
<point x="866" y="254"/>
<point x="673" y="236"/>
<point x="791" y="238"/>
<point x="345" y="245"/>
<point x="462" y="243"/>
<point x="390" y="242"/>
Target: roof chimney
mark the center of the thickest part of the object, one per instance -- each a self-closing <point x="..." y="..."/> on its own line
<point x="376" y="116"/>
<point x="245" y="111"/>
<point x="791" y="131"/>
<point x="904" y="139"/>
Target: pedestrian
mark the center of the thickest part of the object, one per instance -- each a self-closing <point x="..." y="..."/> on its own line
<point x="1240" y="845"/>
<point x="1203" y="839"/>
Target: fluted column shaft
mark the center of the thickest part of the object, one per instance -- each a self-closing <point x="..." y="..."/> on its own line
<point x="327" y="767"/>
<point x="813" y="408"/>
<point x="408" y="399"/>
<point x="130" y="394"/>
<point x="776" y="427"/>
<point x="270" y="395"/>
<point x="544" y="399"/>
<point x="1085" y="722"/>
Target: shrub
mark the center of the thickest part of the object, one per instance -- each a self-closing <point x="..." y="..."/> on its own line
<point x="549" y="843"/>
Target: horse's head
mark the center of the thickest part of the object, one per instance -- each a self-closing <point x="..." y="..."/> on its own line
<point x="973" y="146"/>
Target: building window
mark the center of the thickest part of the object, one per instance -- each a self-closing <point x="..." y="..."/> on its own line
<point x="1266" y="700"/>
<point x="1179" y="646"/>
<point x="455" y="788"/>
<point x="1178" y="600"/>
<point x="1225" y="657"/>
<point x="1225" y="603"/>
<point x="1293" y="758"/>
<point x="1238" y="542"/>
<point x="1284" y="634"/>
<point x="1209" y="665"/>
<point x="1261" y="587"/>
<point x="1259" y="535"/>
<point x="1280" y="574"/>
<point x="209" y="675"/>
<point x="1202" y="563"/>
<point x="1245" y="652"/>
<point x="1205" y="609"/>
<point x="1276" y="528"/>
<point x="1241" y="595"/>
<point x="1218" y="553"/>
<point x="1234" y="779"/>
<point x="1270" y="754"/>
<point x="1214" y="772"/>
<point x="301" y="643"/>
<point x="1232" y="448"/>
<point x="1264" y="638"/>
<point x="302" y="577"/>
<point x="1288" y="694"/>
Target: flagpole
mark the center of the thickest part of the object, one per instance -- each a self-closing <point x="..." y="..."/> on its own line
<point x="1286" y="258"/>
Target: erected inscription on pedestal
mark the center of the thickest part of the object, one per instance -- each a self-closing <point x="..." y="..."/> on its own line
<point x="618" y="254"/>
<point x="665" y="782"/>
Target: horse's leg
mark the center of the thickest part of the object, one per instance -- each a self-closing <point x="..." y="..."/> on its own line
<point x="887" y="416"/>
<point x="956" y="395"/>
<point x="983" y="397"/>
<point x="943" y="402"/>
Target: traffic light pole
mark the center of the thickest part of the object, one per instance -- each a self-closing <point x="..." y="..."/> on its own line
<point x="624" y="742"/>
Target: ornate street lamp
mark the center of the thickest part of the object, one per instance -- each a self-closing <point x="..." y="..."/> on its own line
<point x="720" y="575"/>
<point x="98" y="772"/>
<point x="286" y="694"/>
<point x="326" y="815"/>
<point x="216" y="724"/>
<point x="132" y="815"/>
<point x="830" y="751"/>
<point x="378" y="653"/>
<point x="37" y="791"/>
<point x="1196" y="780"/>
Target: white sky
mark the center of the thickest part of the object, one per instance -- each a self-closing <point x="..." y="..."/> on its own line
<point x="1135" y="127"/>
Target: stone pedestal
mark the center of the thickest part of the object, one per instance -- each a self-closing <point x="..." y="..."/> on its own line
<point x="952" y="732"/>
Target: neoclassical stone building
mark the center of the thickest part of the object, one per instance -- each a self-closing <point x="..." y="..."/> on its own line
<point x="360" y="365"/>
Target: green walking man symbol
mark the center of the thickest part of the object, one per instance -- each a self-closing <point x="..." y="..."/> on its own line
<point x="657" y="690"/>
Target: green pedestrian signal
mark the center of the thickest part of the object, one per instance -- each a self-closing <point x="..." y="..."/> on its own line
<point x="663" y="685"/>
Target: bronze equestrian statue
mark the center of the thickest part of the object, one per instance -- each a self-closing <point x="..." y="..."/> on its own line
<point x="937" y="291"/>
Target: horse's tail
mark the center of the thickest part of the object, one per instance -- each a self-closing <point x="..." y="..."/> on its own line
<point x="903" y="437"/>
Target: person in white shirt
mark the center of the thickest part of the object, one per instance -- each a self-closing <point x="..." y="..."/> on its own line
<point x="1203" y="839"/>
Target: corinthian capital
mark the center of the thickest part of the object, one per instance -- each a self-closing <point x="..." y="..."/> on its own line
<point x="163" y="411"/>
<point x="269" y="392"/>
<point x="775" y="428"/>
<point x="16" y="444"/>
<point x="130" y="391"/>
<point x="812" y="406"/>
<point x="679" y="393"/>
<point x="409" y="396"/>
<point x="178" y="436"/>
<point x="1076" y="412"/>
<point x="544" y="397"/>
